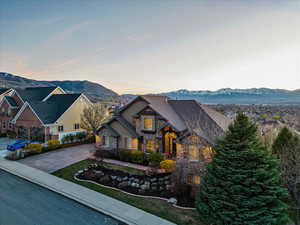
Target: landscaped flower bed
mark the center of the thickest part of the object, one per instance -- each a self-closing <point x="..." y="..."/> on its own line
<point x="158" y="185"/>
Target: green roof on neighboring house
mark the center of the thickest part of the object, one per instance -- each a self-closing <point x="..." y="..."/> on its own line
<point x="35" y="93"/>
<point x="55" y="106"/>
<point x="3" y="90"/>
<point x="11" y="101"/>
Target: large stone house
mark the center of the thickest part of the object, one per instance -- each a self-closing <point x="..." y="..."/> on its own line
<point x="41" y="113"/>
<point x="179" y="129"/>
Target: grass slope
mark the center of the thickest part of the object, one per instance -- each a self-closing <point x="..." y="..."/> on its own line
<point x="154" y="206"/>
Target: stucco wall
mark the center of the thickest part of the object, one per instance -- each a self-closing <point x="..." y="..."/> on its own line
<point x="56" y="91"/>
<point x="73" y="115"/>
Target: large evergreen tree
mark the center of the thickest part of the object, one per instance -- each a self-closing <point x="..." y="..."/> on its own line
<point x="242" y="184"/>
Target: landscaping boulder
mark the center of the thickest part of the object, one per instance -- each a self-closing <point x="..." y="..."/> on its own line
<point x="123" y="184"/>
<point x="104" y="179"/>
<point x="98" y="174"/>
<point x="172" y="200"/>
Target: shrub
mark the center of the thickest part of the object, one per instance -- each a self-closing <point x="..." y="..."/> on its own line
<point x="155" y="159"/>
<point x="80" y="136"/>
<point x="34" y="148"/>
<point x="3" y="135"/>
<point x="137" y="157"/>
<point x="100" y="153"/>
<point x="168" y="165"/>
<point x="53" y="144"/>
<point x="276" y="117"/>
<point x="125" y="155"/>
<point x="90" y="139"/>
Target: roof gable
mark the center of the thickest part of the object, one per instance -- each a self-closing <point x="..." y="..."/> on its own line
<point x="161" y="105"/>
<point x="35" y="93"/>
<point x="51" y="110"/>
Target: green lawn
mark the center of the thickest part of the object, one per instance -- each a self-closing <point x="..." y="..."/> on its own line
<point x="156" y="207"/>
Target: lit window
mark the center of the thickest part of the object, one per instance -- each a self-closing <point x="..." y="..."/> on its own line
<point x="60" y="128"/>
<point x="193" y="179"/>
<point x="193" y="152"/>
<point x="194" y="139"/>
<point x="196" y="179"/>
<point x="148" y="123"/>
<point x="134" y="143"/>
<point x="149" y="145"/>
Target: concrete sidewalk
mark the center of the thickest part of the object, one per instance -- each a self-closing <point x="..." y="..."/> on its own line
<point x="85" y="196"/>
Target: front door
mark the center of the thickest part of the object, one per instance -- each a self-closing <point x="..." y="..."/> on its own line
<point x="169" y="144"/>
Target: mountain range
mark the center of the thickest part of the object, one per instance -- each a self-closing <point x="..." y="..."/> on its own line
<point x="222" y="96"/>
<point x="92" y="90"/>
<point x="240" y="96"/>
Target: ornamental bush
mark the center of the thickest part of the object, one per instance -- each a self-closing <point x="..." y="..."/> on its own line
<point x="34" y="148"/>
<point x="242" y="184"/>
<point x="168" y="165"/>
<point x="137" y="157"/>
<point x="53" y="144"/>
<point x="125" y="155"/>
<point x="154" y="159"/>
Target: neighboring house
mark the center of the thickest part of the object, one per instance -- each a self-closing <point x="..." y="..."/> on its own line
<point x="42" y="113"/>
<point x="179" y="129"/>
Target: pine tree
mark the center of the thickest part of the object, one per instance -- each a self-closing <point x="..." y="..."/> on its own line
<point x="242" y="185"/>
<point x="287" y="148"/>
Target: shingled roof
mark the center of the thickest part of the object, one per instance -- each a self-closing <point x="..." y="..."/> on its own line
<point x="161" y="105"/>
<point x="32" y="94"/>
<point x="55" y="106"/>
<point x="202" y="120"/>
<point x="3" y="90"/>
<point x="11" y="101"/>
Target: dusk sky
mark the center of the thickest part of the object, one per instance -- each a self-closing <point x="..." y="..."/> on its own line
<point x="146" y="46"/>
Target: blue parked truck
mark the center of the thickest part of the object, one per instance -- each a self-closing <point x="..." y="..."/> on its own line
<point x="19" y="144"/>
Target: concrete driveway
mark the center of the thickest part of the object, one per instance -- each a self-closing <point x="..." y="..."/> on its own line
<point x="58" y="159"/>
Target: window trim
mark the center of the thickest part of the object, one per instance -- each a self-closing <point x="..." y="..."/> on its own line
<point x="76" y="126"/>
<point x="153" y="123"/>
<point x="105" y="140"/>
<point x="60" y="128"/>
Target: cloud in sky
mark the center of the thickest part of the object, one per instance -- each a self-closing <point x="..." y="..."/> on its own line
<point x="153" y="46"/>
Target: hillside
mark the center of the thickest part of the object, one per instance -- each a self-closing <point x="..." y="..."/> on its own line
<point x="93" y="90"/>
<point x="240" y="96"/>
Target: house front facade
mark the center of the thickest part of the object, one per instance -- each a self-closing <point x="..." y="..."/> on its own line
<point x="42" y="113"/>
<point x="178" y="129"/>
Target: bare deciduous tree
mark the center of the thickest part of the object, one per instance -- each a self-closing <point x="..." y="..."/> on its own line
<point x="93" y="117"/>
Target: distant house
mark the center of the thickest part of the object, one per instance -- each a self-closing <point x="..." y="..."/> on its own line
<point x="41" y="113"/>
<point x="179" y="129"/>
